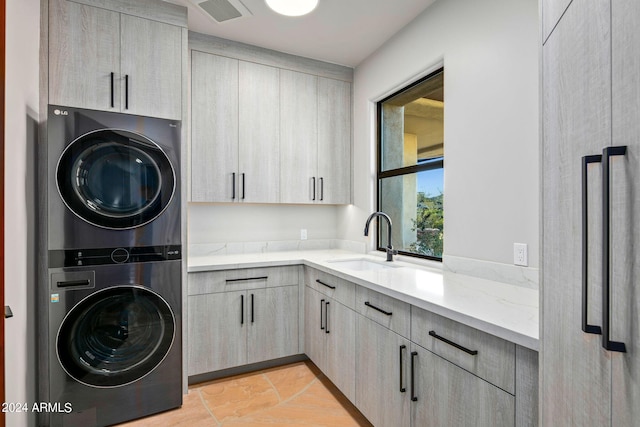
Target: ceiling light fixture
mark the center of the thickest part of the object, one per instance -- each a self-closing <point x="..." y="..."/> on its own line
<point x="292" y="7"/>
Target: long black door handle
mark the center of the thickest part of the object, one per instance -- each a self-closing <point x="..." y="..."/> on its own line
<point x="113" y="102"/>
<point x="453" y="344"/>
<point x="233" y="186"/>
<point x="126" y="92"/>
<point x="314" y="188"/>
<point x="242" y="309"/>
<point x="607" y="153"/>
<point x="251" y="308"/>
<point x="321" y="307"/>
<point x="321" y="188"/>
<point x="590" y="329"/>
<point x="402" y="387"/>
<point x="326" y="317"/>
<point x="414" y="398"/>
<point x="243" y="186"/>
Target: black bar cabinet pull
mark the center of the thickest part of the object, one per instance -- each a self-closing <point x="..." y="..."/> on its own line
<point x="247" y="278"/>
<point x="314" y="188"/>
<point x="590" y="329"/>
<point x="242" y="185"/>
<point x="113" y="102"/>
<point x="233" y="186"/>
<point x="402" y="387"/>
<point x="322" y="283"/>
<point x="326" y="317"/>
<point x="388" y="313"/>
<point x="606" y="260"/>
<point x="242" y="309"/>
<point x="126" y="92"/>
<point x="451" y="343"/>
<point x="321" y="307"/>
<point x="414" y="398"/>
<point x="321" y="188"/>
<point x="251" y="308"/>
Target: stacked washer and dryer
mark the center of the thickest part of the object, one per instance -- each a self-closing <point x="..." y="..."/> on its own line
<point x="110" y="344"/>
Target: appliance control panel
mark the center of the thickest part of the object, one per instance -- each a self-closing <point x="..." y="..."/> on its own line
<point x="103" y="256"/>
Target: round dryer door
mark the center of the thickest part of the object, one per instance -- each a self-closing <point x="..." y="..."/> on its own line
<point x="115" y="178"/>
<point x="115" y="336"/>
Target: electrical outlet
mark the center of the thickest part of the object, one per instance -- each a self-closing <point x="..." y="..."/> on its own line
<point x="303" y="234"/>
<point x="520" y="256"/>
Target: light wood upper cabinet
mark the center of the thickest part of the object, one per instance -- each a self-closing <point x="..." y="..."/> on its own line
<point x="334" y="141"/>
<point x="151" y="62"/>
<point x="214" y="127"/>
<point x="298" y="137"/>
<point x="105" y="60"/>
<point x="84" y="49"/>
<point x="259" y="133"/>
<point x="315" y="139"/>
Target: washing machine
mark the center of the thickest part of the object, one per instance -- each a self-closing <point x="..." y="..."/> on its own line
<point x="113" y="179"/>
<point x="114" y="337"/>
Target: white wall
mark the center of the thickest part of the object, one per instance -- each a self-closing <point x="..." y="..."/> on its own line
<point x="22" y="44"/>
<point x="221" y="223"/>
<point x="490" y="54"/>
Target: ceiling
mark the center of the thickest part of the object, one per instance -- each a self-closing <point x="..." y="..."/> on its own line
<point x="343" y="32"/>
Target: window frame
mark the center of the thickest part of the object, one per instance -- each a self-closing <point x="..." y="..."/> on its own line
<point x="406" y="170"/>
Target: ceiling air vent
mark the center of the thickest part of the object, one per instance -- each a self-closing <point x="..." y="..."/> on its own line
<point x="223" y="10"/>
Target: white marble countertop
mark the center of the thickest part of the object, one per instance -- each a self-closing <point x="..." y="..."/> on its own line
<point x="506" y="311"/>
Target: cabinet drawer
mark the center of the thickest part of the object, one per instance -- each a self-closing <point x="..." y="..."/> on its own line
<point x="241" y="279"/>
<point x="340" y="290"/>
<point x="385" y="310"/>
<point x="495" y="357"/>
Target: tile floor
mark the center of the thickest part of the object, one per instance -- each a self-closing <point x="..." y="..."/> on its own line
<point x="293" y="395"/>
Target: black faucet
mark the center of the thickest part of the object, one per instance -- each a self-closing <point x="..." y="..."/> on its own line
<point x="390" y="251"/>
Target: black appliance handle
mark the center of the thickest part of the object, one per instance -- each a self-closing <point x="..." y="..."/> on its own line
<point x="113" y="102"/>
<point x="368" y="304"/>
<point x="620" y="347"/>
<point x="72" y="283"/>
<point x="414" y="398"/>
<point x="453" y="344"/>
<point x="590" y="329"/>
<point x="126" y="92"/>
<point x="402" y="387"/>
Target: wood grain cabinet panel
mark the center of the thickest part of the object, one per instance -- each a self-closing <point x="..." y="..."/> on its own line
<point x="105" y="60"/>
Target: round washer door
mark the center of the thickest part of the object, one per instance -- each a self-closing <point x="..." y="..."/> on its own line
<point x="115" y="336"/>
<point x="115" y="179"/>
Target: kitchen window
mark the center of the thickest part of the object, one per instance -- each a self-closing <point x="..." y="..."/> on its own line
<point x="411" y="167"/>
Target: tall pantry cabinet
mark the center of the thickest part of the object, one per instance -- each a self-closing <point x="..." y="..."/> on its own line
<point x="590" y="336"/>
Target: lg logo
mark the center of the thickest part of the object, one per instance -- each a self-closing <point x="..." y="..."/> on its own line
<point x="60" y="112"/>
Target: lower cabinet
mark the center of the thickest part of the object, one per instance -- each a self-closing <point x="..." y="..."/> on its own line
<point x="445" y="395"/>
<point x="237" y="327"/>
<point x="330" y="339"/>
<point x="382" y="374"/>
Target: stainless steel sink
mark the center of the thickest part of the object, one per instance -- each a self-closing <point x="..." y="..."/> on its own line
<point x="362" y="264"/>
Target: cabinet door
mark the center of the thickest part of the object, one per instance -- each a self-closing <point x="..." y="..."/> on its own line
<point x="217" y="331"/>
<point x="214" y="128"/>
<point x="382" y="375"/>
<point x="273" y="323"/>
<point x="450" y="396"/>
<point x="259" y="133"/>
<point x="152" y="63"/>
<point x="84" y="51"/>
<point x="340" y="325"/>
<point x="298" y="137"/>
<point x="625" y="211"/>
<point x="314" y="332"/>
<point x="334" y="141"/>
<point x="577" y="122"/>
